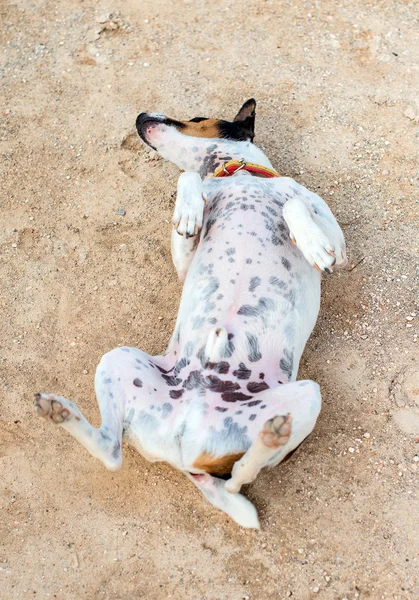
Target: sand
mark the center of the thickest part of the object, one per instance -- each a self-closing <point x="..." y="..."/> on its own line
<point x="336" y="85"/>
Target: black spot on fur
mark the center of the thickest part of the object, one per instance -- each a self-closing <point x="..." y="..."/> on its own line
<point x="286" y="363"/>
<point x="202" y="358"/>
<point x="255" y="387"/>
<point x="137" y="382"/>
<point x="175" y="394"/>
<point x="263" y="306"/>
<point x="221" y="409"/>
<point x="242" y="372"/>
<point x="208" y="226"/>
<point x="193" y="381"/>
<point x="253" y="403"/>
<point x="210" y="288"/>
<point x="234" y="396"/>
<point x="215" y="384"/>
<point x="253" y="347"/>
<point x="277" y="282"/>
<point x="219" y="367"/>
<point x="286" y="263"/>
<point x="254" y="282"/>
<point x="229" y="347"/>
<point x="252" y="417"/>
<point x="181" y="364"/>
<point x="172" y="381"/>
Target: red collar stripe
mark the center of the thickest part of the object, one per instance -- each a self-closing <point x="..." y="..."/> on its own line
<point x="232" y="166"/>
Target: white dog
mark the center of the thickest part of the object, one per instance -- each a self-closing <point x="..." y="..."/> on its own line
<point x="224" y="398"/>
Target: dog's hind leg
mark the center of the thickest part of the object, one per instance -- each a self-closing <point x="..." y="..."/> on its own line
<point x="274" y="435"/>
<point x="239" y="508"/>
<point x="103" y="443"/>
<point x="276" y="438"/>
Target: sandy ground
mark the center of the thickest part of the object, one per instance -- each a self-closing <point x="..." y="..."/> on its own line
<point x="337" y="90"/>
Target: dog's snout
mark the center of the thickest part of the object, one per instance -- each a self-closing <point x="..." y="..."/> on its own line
<point x="141" y="119"/>
<point x="143" y="124"/>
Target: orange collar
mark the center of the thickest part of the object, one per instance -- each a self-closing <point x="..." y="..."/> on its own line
<point x="232" y="166"/>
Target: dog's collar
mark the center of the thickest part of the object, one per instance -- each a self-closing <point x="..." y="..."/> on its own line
<point x="232" y="166"/>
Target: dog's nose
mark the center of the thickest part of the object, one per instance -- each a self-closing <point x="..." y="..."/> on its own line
<point x="140" y="119"/>
<point x="144" y="118"/>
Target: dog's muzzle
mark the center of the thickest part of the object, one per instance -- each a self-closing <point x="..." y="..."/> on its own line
<point x="144" y="121"/>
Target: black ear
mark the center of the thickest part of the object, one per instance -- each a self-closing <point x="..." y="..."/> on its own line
<point x="247" y="110"/>
<point x="246" y="115"/>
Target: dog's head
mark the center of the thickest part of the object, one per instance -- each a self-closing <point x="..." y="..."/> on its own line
<point x="201" y="144"/>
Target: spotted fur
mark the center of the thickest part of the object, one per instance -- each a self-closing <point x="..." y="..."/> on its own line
<point x="249" y="303"/>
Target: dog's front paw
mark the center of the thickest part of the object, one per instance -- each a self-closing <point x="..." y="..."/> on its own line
<point x="188" y="215"/>
<point x="190" y="203"/>
<point x="316" y="247"/>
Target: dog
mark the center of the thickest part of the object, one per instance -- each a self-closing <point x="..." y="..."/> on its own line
<point x="223" y="401"/>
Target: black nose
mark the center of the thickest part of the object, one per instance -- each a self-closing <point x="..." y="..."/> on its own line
<point x="142" y="117"/>
<point x="140" y="123"/>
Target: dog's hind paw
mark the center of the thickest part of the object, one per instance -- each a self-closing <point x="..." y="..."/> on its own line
<point x="277" y="431"/>
<point x="53" y="408"/>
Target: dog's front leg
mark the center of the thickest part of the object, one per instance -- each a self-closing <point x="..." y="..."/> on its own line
<point x="183" y="250"/>
<point x="190" y="203"/>
<point x="187" y="221"/>
<point x="313" y="227"/>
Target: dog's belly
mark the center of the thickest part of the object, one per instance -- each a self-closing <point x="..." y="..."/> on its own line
<point x="249" y="304"/>
<point x="248" y="277"/>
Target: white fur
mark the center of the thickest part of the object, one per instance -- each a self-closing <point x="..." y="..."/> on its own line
<point x="249" y="303"/>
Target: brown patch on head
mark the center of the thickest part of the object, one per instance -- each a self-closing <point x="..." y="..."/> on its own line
<point x="242" y="129"/>
<point x="217" y="465"/>
<point x="207" y="128"/>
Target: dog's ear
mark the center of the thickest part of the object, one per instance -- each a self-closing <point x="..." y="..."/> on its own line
<point x="247" y="111"/>
<point x="246" y="116"/>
